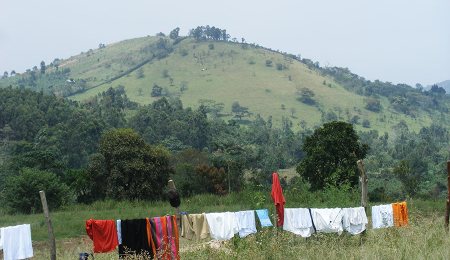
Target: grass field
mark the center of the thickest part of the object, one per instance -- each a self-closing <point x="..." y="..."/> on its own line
<point x="424" y="238"/>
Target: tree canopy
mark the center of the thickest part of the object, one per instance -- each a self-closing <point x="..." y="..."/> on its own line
<point x="132" y="168"/>
<point x="331" y="155"/>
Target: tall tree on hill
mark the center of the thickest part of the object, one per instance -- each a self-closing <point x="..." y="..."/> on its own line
<point x="239" y="111"/>
<point x="332" y="151"/>
<point x="43" y="67"/>
<point x="134" y="169"/>
<point x="174" y="34"/>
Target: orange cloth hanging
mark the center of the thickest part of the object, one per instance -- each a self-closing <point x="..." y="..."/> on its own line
<point x="400" y="211"/>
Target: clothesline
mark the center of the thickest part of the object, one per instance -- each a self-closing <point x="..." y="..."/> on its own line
<point x="159" y="235"/>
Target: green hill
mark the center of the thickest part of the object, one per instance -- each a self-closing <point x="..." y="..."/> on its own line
<point x="219" y="73"/>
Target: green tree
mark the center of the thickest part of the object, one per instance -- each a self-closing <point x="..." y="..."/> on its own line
<point x="239" y="111"/>
<point x="43" y="67"/>
<point x="331" y="155"/>
<point x="140" y="73"/>
<point x="306" y="95"/>
<point x="134" y="169"/>
<point x="373" y="104"/>
<point x="156" y="91"/>
<point x="22" y="191"/>
<point x="174" y="34"/>
<point x="411" y="173"/>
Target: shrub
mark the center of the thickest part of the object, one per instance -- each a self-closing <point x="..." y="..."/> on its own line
<point x="184" y="52"/>
<point x="268" y="63"/>
<point x="280" y="66"/>
<point x="373" y="104"/>
<point x="22" y="191"/>
<point x="366" y="123"/>
<point x="305" y="95"/>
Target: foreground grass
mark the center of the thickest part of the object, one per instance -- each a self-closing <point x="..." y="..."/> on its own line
<point x="424" y="238"/>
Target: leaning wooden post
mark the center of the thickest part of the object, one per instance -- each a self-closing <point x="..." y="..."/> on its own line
<point x="364" y="201"/>
<point x="51" y="236"/>
<point x="447" y="210"/>
<point x="363" y="180"/>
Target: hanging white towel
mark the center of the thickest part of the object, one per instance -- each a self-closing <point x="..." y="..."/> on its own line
<point x="1" y="240"/>
<point x="246" y="222"/>
<point x="382" y="216"/>
<point x="328" y="220"/>
<point x="119" y="230"/>
<point x="354" y="220"/>
<point x="222" y="226"/>
<point x="298" y="221"/>
<point x="16" y="242"/>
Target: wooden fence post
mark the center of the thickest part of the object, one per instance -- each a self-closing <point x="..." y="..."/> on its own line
<point x="364" y="199"/>
<point x="447" y="210"/>
<point x="51" y="236"/>
<point x="363" y="180"/>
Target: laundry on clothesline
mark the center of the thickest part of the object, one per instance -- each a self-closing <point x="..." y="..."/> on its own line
<point x="263" y="216"/>
<point x="304" y="221"/>
<point x="278" y="198"/>
<point x="382" y="216"/>
<point x="222" y="226"/>
<point x="194" y="226"/>
<point x="103" y="233"/>
<point x="298" y="221"/>
<point x="156" y="237"/>
<point x="389" y="215"/>
<point x="328" y="220"/>
<point x="16" y="242"/>
<point x="246" y="222"/>
<point x="354" y="220"/>
<point x="400" y="213"/>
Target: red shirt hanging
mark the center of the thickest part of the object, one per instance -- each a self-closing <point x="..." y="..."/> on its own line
<point x="278" y="198"/>
<point x="103" y="233"/>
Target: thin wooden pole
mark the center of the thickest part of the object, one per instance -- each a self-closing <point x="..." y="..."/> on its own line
<point x="364" y="198"/>
<point x="363" y="180"/>
<point x="447" y="210"/>
<point x="51" y="236"/>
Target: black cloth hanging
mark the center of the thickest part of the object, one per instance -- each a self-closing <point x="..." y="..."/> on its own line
<point x="134" y="238"/>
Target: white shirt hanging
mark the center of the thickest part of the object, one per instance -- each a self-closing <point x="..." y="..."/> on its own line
<point x="246" y="222"/>
<point x="328" y="220"/>
<point x="222" y="226"/>
<point x="354" y="220"/>
<point x="382" y="216"/>
<point x="298" y="221"/>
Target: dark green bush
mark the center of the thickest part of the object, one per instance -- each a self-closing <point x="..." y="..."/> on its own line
<point x="21" y="194"/>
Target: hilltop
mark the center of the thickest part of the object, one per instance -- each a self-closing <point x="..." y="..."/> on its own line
<point x="220" y="73"/>
<point x="445" y="85"/>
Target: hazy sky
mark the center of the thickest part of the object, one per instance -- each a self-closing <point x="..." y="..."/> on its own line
<point x="401" y="41"/>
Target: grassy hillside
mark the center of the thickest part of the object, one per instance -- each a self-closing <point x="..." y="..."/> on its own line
<point x="265" y="81"/>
